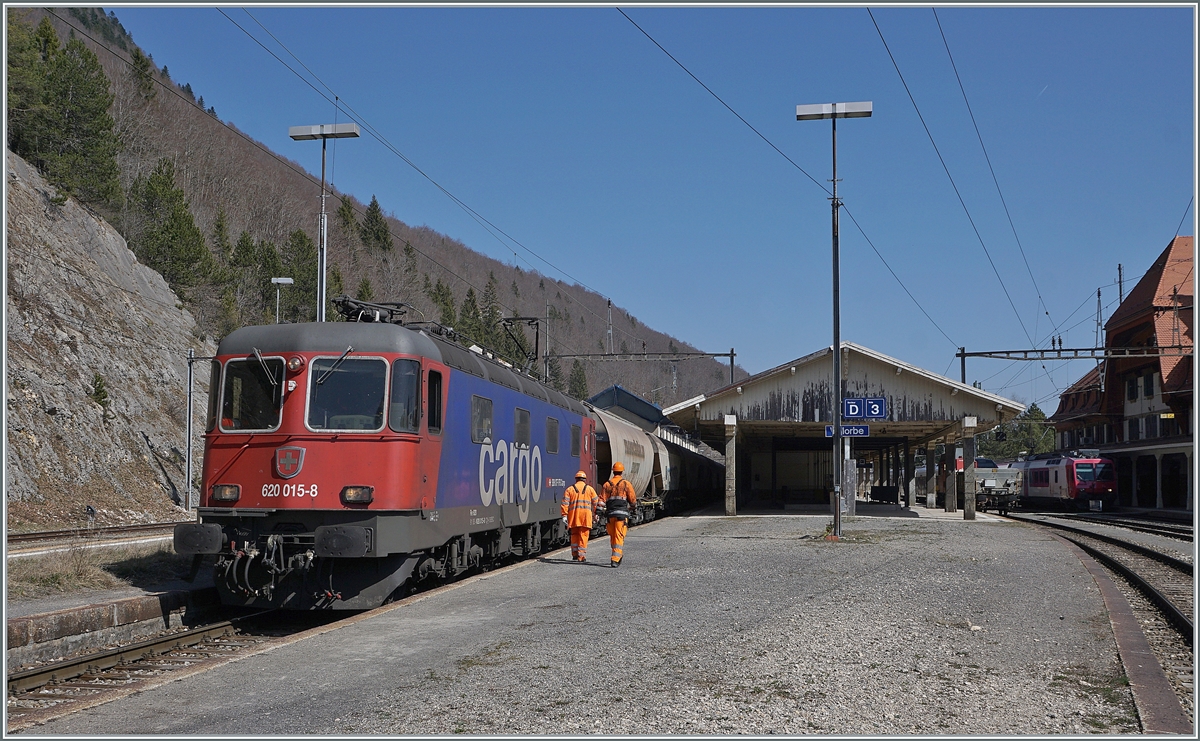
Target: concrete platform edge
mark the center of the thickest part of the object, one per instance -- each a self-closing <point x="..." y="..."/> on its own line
<point x="1157" y="706"/>
<point x="51" y="635"/>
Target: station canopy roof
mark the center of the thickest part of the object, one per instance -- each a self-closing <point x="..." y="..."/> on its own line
<point x="796" y="400"/>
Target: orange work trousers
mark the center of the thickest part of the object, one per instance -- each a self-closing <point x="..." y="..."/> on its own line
<point x="579" y="540"/>
<point x="616" y="537"/>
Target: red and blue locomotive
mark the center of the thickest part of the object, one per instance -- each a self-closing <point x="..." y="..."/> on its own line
<point x="345" y="461"/>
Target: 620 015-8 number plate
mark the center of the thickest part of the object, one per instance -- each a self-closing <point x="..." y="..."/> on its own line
<point x="289" y="490"/>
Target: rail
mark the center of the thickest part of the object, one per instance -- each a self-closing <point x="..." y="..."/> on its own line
<point x="88" y="532"/>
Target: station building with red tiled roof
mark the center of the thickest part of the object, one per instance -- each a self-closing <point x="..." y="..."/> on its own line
<point x="1138" y="411"/>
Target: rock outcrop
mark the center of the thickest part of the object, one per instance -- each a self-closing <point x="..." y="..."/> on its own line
<point x="81" y="309"/>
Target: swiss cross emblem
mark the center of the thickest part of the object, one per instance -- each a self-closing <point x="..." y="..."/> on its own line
<point x="288" y="461"/>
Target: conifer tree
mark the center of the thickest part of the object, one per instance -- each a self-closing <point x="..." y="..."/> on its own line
<point x="410" y="262"/>
<point x="346" y="218"/>
<point x="365" y="292"/>
<point x="374" y="231"/>
<point x="26" y="79"/>
<point x="299" y="258"/>
<point x="169" y="242"/>
<point x="245" y="252"/>
<point x="334" y="287"/>
<point x="140" y="70"/>
<point x="230" y="317"/>
<point x="556" y="379"/>
<point x="58" y="114"/>
<point x="442" y="297"/>
<point x="470" y="323"/>
<point x="221" y="243"/>
<point x="490" y="314"/>
<point x="577" y="385"/>
<point x="266" y="265"/>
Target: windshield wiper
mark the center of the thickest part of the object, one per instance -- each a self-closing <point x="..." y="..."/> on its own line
<point x="270" y="375"/>
<point x="336" y="363"/>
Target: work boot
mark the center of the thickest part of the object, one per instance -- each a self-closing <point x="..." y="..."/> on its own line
<point x="616" y="562"/>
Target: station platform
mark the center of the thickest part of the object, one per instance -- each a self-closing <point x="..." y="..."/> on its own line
<point x="712" y="625"/>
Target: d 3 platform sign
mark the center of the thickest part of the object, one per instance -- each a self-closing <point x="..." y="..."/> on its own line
<point x="869" y="408"/>
<point x="850" y="431"/>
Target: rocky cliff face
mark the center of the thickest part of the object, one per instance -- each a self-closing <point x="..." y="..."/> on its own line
<point x="80" y="308"/>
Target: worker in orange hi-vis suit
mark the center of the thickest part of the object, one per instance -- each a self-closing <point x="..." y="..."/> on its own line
<point x="618" y="500"/>
<point x="578" y="504"/>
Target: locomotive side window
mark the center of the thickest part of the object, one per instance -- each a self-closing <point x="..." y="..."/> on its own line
<point x="481" y="419"/>
<point x="576" y="434"/>
<point x="551" y="435"/>
<point x="521" y="427"/>
<point x="253" y="394"/>
<point x="404" y="413"/>
<point x="1039" y="477"/>
<point x="214" y="394"/>
<point x="435" y="403"/>
<point x="346" y="393"/>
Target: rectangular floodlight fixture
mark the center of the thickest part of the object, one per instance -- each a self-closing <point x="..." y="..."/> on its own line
<point x="282" y="281"/>
<point x="324" y="131"/>
<point x="861" y="109"/>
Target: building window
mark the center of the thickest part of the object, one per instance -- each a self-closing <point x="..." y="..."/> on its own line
<point x="1134" y="428"/>
<point x="1152" y="425"/>
<point x="1131" y="389"/>
<point x="1148" y="385"/>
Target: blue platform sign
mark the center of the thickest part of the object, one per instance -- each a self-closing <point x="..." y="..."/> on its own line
<point x="850" y="431"/>
<point x="875" y="408"/>
<point x="852" y="409"/>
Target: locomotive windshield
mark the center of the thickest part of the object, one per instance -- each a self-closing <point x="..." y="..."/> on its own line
<point x="252" y="395"/>
<point x="346" y="393"/>
<point x="1094" y="472"/>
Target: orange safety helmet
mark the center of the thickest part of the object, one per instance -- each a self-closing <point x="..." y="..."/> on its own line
<point x="581" y="475"/>
<point x="618" y="467"/>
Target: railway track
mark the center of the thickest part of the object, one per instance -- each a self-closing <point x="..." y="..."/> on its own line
<point x="1159" y="589"/>
<point x="1177" y="531"/>
<point x="1166" y="581"/>
<point x="42" y="537"/>
<point x="42" y="693"/>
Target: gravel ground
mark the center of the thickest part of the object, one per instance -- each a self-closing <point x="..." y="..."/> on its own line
<point x="711" y="626"/>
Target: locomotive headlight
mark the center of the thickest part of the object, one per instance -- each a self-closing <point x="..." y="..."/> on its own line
<point x="295" y="363"/>
<point x="226" y="492"/>
<point x="358" y="494"/>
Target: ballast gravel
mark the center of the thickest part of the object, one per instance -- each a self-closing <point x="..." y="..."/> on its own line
<point x="712" y="625"/>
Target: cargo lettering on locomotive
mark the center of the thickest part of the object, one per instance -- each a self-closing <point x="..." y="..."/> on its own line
<point x="516" y="476"/>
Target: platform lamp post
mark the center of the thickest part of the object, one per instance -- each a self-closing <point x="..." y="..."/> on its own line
<point x="834" y="111"/>
<point x="323" y="132"/>
<point x="279" y="282"/>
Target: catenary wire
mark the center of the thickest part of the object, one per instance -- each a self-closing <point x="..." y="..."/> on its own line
<point x="991" y="169"/>
<point x="483" y="222"/>
<point x="794" y="164"/>
<point x="946" y="168"/>
<point x="175" y="91"/>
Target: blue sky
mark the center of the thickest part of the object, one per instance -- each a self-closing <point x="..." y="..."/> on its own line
<point x="576" y="135"/>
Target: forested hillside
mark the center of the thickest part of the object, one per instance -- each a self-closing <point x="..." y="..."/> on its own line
<point x="218" y="215"/>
